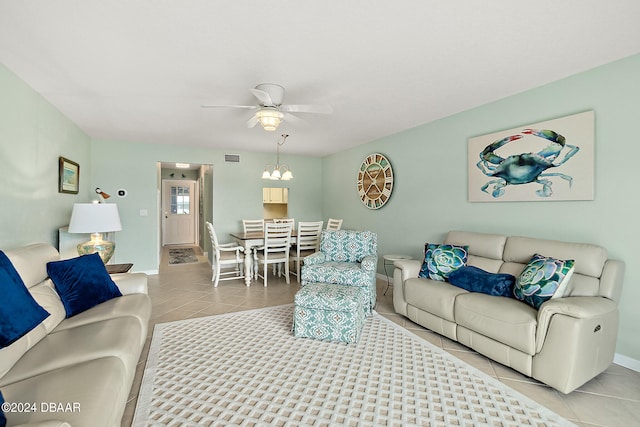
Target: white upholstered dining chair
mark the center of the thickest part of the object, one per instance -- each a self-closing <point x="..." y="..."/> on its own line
<point x="276" y="249"/>
<point x="307" y="242"/>
<point x="226" y="255"/>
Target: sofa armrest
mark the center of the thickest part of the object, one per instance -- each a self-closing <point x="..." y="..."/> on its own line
<point x="403" y="270"/>
<point x="131" y="283"/>
<point x="369" y="262"/>
<point x="315" y="258"/>
<point x="408" y="268"/>
<point x="575" y="341"/>
<point x="573" y="307"/>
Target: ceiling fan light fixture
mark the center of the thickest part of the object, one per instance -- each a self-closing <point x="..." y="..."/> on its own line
<point x="270" y="118"/>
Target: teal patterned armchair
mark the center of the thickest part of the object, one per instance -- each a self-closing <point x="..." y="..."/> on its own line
<point x="346" y="257"/>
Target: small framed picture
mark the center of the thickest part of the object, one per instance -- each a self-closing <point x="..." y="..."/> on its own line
<point x="68" y="176"/>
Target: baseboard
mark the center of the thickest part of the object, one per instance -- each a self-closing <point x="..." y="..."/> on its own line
<point x="627" y="362"/>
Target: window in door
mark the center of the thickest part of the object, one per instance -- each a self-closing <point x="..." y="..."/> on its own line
<point x="180" y="200"/>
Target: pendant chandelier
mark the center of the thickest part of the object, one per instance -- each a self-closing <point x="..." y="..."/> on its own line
<point x="278" y="172"/>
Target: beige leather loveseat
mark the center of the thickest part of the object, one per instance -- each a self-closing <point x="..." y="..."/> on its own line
<point x="76" y="371"/>
<point x="564" y="344"/>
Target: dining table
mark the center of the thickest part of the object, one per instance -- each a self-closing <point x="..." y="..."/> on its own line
<point x="249" y="241"/>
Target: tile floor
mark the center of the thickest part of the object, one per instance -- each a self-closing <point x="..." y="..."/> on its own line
<point x="185" y="291"/>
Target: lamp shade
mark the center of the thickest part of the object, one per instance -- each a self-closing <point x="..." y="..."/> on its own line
<point x="94" y="218"/>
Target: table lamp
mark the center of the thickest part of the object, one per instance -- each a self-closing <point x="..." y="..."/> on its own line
<point x="95" y="218"/>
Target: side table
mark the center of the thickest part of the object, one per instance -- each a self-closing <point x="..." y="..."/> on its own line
<point x="118" y="268"/>
<point x="389" y="259"/>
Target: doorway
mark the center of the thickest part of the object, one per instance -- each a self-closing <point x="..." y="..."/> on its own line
<point x="196" y="182"/>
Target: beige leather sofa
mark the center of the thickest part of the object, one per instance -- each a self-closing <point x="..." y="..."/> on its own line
<point x="76" y="371"/>
<point x="564" y="344"/>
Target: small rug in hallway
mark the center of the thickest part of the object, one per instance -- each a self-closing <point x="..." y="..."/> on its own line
<point x="246" y="368"/>
<point x="182" y="256"/>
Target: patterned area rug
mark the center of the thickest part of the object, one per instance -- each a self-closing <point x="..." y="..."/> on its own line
<point x="246" y="368"/>
<point x="182" y="256"/>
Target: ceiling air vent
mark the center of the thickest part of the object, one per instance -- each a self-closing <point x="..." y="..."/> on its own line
<point x="232" y="158"/>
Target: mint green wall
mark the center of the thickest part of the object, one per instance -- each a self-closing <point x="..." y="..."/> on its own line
<point x="33" y="134"/>
<point x="237" y="190"/>
<point x="430" y="193"/>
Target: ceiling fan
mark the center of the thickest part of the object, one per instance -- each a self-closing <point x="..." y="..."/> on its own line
<point x="270" y="110"/>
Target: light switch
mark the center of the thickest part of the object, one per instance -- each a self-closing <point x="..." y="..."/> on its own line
<point x="144" y="212"/>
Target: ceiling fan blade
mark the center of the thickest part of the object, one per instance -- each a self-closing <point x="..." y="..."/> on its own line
<point x="252" y="121"/>
<point x="263" y="97"/>
<point x="296" y="121"/>
<point x="318" y="109"/>
<point x="248" y="107"/>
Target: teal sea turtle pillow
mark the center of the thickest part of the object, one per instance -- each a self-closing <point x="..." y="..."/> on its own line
<point x="542" y="279"/>
<point x="442" y="260"/>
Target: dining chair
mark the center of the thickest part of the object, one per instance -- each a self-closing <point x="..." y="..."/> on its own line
<point x="291" y="221"/>
<point x="276" y="249"/>
<point x="334" y="224"/>
<point x="224" y="256"/>
<point x="307" y="243"/>
<point x="253" y="226"/>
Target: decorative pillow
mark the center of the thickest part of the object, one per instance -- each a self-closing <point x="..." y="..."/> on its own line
<point x="82" y="283"/>
<point x="474" y="279"/>
<point x="542" y="278"/>
<point x="441" y="260"/>
<point x="19" y="312"/>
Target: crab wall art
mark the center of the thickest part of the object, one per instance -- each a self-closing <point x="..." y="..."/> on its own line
<point x="550" y="160"/>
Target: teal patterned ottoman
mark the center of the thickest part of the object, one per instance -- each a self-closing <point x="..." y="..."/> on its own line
<point x="329" y="312"/>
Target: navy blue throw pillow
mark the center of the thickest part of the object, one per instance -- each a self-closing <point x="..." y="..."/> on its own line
<point x="474" y="279"/>
<point x="82" y="283"/>
<point x="19" y="312"/>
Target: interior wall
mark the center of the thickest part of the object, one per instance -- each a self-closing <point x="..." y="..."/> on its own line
<point x="33" y="134"/>
<point x="235" y="193"/>
<point x="430" y="169"/>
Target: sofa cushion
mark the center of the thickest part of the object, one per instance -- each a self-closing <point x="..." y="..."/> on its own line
<point x="69" y="347"/>
<point x="137" y="306"/>
<point x="31" y="261"/>
<point x="505" y="320"/>
<point x="82" y="282"/>
<point x="474" y="279"/>
<point x="19" y="312"/>
<point x="432" y="296"/>
<point x="541" y="278"/>
<point x="97" y="391"/>
<point x="342" y="273"/>
<point x="441" y="260"/>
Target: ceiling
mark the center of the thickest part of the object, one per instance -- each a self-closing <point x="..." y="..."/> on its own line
<point x="140" y="70"/>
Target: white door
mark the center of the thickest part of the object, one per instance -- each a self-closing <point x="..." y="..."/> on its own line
<point x="179" y="219"/>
